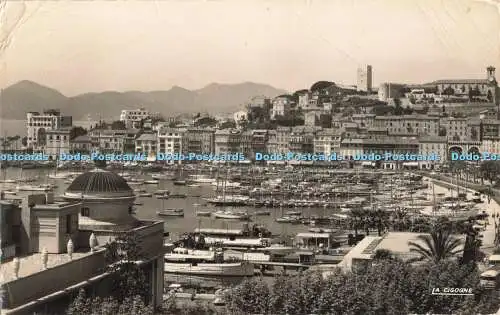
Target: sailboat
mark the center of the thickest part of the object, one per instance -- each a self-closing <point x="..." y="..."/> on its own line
<point x="177" y="194"/>
<point x="56" y="175"/>
<point x="180" y="181"/>
<point x="172" y="212"/>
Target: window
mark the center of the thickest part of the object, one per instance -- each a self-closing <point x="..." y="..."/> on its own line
<point x="68" y="224"/>
<point x="85" y="212"/>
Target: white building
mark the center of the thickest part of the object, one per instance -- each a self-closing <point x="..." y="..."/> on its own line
<point x="240" y="116"/>
<point x="281" y="106"/>
<point x="147" y="144"/>
<point x="37" y="124"/>
<point x="57" y="142"/>
<point x="433" y="145"/>
<point x="170" y="141"/>
<point x="114" y="141"/>
<point x="304" y="100"/>
<point x="327" y="141"/>
<point x="132" y="118"/>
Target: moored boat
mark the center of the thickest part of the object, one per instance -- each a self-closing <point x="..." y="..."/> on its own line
<point x="170" y="213"/>
<point x="288" y="219"/>
<point x="161" y="192"/>
<point x="231" y="215"/>
<point x="205" y="262"/>
<point x="262" y="212"/>
<point x="237" y="269"/>
<point x="181" y="196"/>
<point x="203" y="213"/>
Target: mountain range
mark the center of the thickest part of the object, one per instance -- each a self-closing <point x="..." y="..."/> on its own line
<point x="26" y="96"/>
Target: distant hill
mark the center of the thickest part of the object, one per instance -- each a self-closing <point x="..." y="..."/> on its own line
<point x="27" y="96"/>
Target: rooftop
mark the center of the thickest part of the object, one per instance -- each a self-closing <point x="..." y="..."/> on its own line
<point x="460" y="81"/>
<point x="33" y="264"/>
<point x="434" y="139"/>
<point x="83" y="138"/>
<point x="99" y="181"/>
<point x="407" y="117"/>
<point x="147" y="137"/>
<point x="60" y="130"/>
<point x="397" y="242"/>
<point x="54" y="205"/>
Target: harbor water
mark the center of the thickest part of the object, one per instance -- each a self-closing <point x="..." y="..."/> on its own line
<point x="195" y="196"/>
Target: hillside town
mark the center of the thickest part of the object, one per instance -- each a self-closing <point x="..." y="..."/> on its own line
<point x="205" y="237"/>
<point x="440" y="117"/>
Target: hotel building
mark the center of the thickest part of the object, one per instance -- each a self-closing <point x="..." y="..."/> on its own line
<point x="37" y="124"/>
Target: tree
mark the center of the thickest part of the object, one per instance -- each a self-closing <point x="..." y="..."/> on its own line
<point x="121" y="256"/>
<point x="129" y="287"/>
<point x="472" y="245"/>
<point x="490" y="170"/>
<point x="76" y="132"/>
<point x="229" y="124"/>
<point x="118" y="125"/>
<point x="391" y="286"/>
<point x="382" y="254"/>
<point x="24" y="141"/>
<point x="397" y="102"/>
<point x="439" y="245"/>
<point x="253" y="296"/>
<point x="489" y="96"/>
<point x="407" y="111"/>
<point x="82" y="305"/>
<point x="449" y="91"/>
<point x="205" y="122"/>
<point x="321" y="85"/>
<point x="382" y="110"/>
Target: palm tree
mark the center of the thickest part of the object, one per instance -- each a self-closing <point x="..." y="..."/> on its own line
<point x="383" y="254"/>
<point x="439" y="245"/>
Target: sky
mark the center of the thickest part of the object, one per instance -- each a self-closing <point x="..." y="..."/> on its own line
<point x="93" y="46"/>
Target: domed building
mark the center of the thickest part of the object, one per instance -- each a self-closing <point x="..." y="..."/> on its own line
<point x="64" y="248"/>
<point x="107" y="201"/>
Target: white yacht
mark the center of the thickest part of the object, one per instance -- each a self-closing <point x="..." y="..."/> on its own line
<point x="201" y="179"/>
<point x="205" y="262"/>
<point x="231" y="215"/>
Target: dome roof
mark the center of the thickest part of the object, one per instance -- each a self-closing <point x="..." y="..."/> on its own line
<point x="98" y="182"/>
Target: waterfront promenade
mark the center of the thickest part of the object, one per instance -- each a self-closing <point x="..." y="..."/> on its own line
<point x="491" y="207"/>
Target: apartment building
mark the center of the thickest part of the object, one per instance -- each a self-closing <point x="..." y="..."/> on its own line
<point x="133" y="118"/>
<point x="200" y="140"/>
<point x="147" y="143"/>
<point x="301" y="140"/>
<point x="409" y="125"/>
<point x="433" y="145"/>
<point x="228" y="141"/>
<point x="38" y="123"/>
<point x="327" y="141"/>
<point x="171" y="141"/>
<point x="57" y="141"/>
<point x="281" y="106"/>
<point x="458" y="129"/>
<point x="278" y="140"/>
<point x="114" y="141"/>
